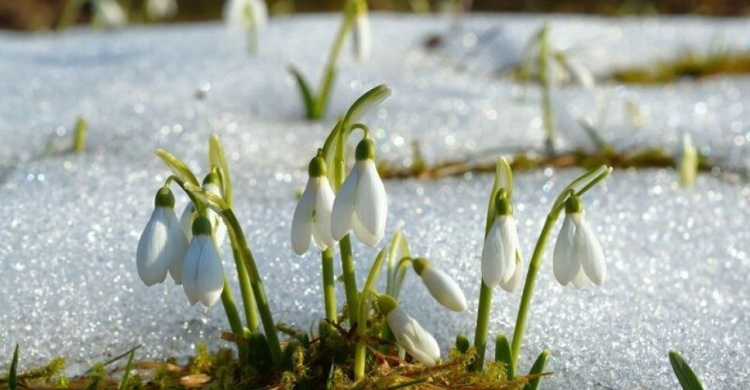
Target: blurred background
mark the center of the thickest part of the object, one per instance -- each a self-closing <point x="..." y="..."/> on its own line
<point x="41" y="15"/>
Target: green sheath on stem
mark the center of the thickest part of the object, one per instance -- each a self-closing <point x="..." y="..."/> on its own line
<point x="329" y="287"/>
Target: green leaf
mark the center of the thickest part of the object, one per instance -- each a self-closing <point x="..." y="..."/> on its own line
<point x="366" y="102"/>
<point x="178" y="167"/>
<point x="325" y="91"/>
<point x="13" y="376"/>
<point x="685" y="375"/>
<point x="504" y="355"/>
<point x="537" y="369"/>
<point x="217" y="158"/>
<point x="128" y="367"/>
<point x="209" y="198"/>
<point x="79" y="140"/>
<point x="304" y="88"/>
<point x="593" y="135"/>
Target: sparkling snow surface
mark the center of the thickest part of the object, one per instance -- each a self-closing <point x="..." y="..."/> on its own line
<point x="678" y="260"/>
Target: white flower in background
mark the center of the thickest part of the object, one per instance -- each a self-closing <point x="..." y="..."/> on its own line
<point x="211" y="184"/>
<point x="241" y="15"/>
<point x="312" y="216"/>
<point x="579" y="73"/>
<point x="361" y="203"/>
<point x="688" y="162"/>
<point x="109" y="13"/>
<point x="500" y="246"/>
<point x="578" y="258"/>
<point x="361" y="32"/>
<point x="409" y="334"/>
<point x="160" y="9"/>
<point x="162" y="243"/>
<point x="202" y="271"/>
<point x="441" y="286"/>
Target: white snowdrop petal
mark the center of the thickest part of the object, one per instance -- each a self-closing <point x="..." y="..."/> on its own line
<point x="580" y="281"/>
<point x="509" y="239"/>
<point x="492" y="271"/>
<point x="512" y="284"/>
<point x="564" y="263"/>
<point x="413" y="338"/>
<point x="343" y="207"/>
<point x="361" y="37"/>
<point x="322" y="221"/>
<point x="371" y="203"/>
<point x="302" y="221"/>
<point x="161" y="8"/>
<point x="190" y="271"/>
<point x="210" y="276"/>
<point x="152" y="256"/>
<point x="186" y="220"/>
<point x="178" y="246"/>
<point x="444" y="289"/>
<point x="590" y="253"/>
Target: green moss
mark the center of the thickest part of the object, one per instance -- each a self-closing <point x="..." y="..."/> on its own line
<point x="688" y="65"/>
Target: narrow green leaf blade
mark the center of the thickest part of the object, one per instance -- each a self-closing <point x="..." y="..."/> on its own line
<point x="537" y="369"/>
<point x="178" y="167"/>
<point x="304" y="88"/>
<point x="366" y="102"/>
<point x="504" y="355"/>
<point x="128" y="367"/>
<point x="13" y="376"/>
<point x="685" y="375"/>
<point x="217" y="158"/>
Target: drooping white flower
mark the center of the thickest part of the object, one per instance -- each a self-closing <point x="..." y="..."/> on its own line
<point x="361" y="203"/>
<point x="408" y="333"/>
<point x="500" y="246"/>
<point x="688" y="162"/>
<point x="312" y="216"/>
<point x="159" y="9"/>
<point x="441" y="286"/>
<point x="361" y="32"/>
<point x="512" y="284"/>
<point x="210" y="184"/>
<point x="578" y="258"/>
<point x="162" y="242"/>
<point x="241" y="15"/>
<point x="109" y="13"/>
<point x="202" y="271"/>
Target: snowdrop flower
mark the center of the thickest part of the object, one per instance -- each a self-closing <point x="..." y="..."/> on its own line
<point x="409" y="334"/>
<point x="312" y="217"/>
<point x="361" y="204"/>
<point x="580" y="74"/>
<point x="109" y="13"/>
<point x="159" y="9"/>
<point x="578" y="258"/>
<point x="688" y="164"/>
<point x="211" y="183"/>
<point x="241" y="15"/>
<point x="361" y="32"/>
<point x="440" y="285"/>
<point x="162" y="243"/>
<point x="500" y="246"/>
<point x="202" y="271"/>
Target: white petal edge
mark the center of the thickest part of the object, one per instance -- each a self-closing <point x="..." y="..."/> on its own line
<point x="302" y="221"/>
<point x="444" y="289"/>
<point x="323" y="206"/>
<point x="210" y="275"/>
<point x="564" y="264"/>
<point x="152" y="260"/>
<point x="587" y="249"/>
<point x="371" y="203"/>
<point x="492" y="272"/>
<point x="343" y="207"/>
<point x="509" y="238"/>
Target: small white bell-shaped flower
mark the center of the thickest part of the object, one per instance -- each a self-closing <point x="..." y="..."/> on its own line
<point x="241" y="15"/>
<point x="202" y="271"/>
<point x="409" y="334"/>
<point x="162" y="242"/>
<point x="441" y="286"/>
<point x="212" y="184"/>
<point x="361" y="203"/>
<point x="159" y="9"/>
<point x="361" y="32"/>
<point x="578" y="258"/>
<point x="109" y="13"/>
<point x="500" y="246"/>
<point x="312" y="216"/>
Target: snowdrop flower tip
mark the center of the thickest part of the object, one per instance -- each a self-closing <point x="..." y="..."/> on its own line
<point x="361" y="203"/>
<point x="408" y="333"/>
<point x="312" y="216"/>
<point x="162" y="242"/>
<point x="202" y="271"/>
<point x="441" y="286"/>
<point x="578" y="259"/>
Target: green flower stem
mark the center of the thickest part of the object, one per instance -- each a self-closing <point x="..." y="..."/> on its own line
<point x="528" y="288"/>
<point x="350" y="278"/>
<point x="330" y="72"/>
<point x="360" y="352"/>
<point x="483" y="326"/>
<point x="248" y="298"/>
<point x="329" y="288"/>
<point x="544" y="78"/>
<point x="233" y="316"/>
